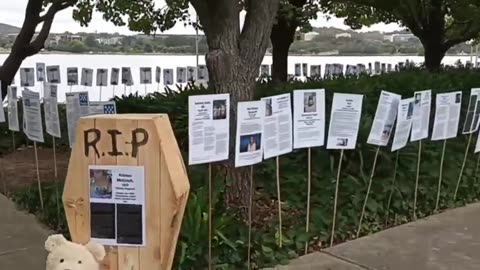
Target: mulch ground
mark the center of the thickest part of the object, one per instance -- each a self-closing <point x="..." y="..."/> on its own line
<point x="18" y="170"/>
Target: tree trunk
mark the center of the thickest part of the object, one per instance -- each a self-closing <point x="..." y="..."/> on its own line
<point x="282" y="37"/>
<point x="433" y="57"/>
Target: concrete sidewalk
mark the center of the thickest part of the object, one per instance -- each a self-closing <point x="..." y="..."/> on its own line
<point x="22" y="239"/>
<point x="447" y="241"/>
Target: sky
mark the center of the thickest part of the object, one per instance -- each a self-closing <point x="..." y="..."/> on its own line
<point x="13" y="12"/>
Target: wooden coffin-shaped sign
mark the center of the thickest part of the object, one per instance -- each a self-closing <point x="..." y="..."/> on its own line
<point x="127" y="188"/>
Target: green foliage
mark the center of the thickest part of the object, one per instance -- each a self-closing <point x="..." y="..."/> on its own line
<point x="230" y="232"/>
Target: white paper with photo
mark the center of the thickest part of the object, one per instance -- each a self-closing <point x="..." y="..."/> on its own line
<point x="102" y="107"/>
<point x="40" y="72"/>
<point x="249" y="140"/>
<point x="277" y="126"/>
<point x="308" y="118"/>
<point x="13" y="123"/>
<point x="119" y="186"/>
<point x="114" y="76"/>
<point x="127" y="78"/>
<point x="344" y="121"/>
<point x="72" y="76"/>
<point x="202" y="75"/>
<point x="421" y="115"/>
<point x="298" y="70"/>
<point x="191" y="74"/>
<point x="168" y="76"/>
<point x="53" y="74"/>
<point x="158" y="74"/>
<point x="2" y="113"/>
<point x="102" y="77"/>
<point x="208" y="128"/>
<point x="404" y="124"/>
<point x="264" y="70"/>
<point x="472" y="118"/>
<point x="181" y="75"/>
<point x="87" y="77"/>
<point x="384" y="120"/>
<point x="27" y="77"/>
<point x="447" y="115"/>
<point x="305" y="69"/>
<point x="77" y="104"/>
<point x="145" y="75"/>
<point x="50" y="107"/>
<point x="33" y="115"/>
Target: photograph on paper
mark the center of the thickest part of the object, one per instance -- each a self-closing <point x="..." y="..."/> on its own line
<point x="249" y="141"/>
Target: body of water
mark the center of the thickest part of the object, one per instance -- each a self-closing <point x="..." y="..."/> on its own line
<point x="135" y="62"/>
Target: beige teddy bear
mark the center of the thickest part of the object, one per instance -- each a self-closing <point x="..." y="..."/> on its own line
<point x="63" y="254"/>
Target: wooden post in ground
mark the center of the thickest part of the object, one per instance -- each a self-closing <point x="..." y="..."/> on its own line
<point x="141" y="141"/>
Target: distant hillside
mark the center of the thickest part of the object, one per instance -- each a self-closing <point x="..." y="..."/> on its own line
<point x="8" y="29"/>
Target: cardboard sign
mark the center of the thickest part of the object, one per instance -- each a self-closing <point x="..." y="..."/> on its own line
<point x="27" y="77"/>
<point x="87" y="77"/>
<point x="102" y="77"/>
<point x="72" y="76"/>
<point x="53" y="74"/>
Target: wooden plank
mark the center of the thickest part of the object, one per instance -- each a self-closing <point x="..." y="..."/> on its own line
<point x="128" y="257"/>
<point x="149" y="157"/>
<point x="75" y="196"/>
<point x="103" y="125"/>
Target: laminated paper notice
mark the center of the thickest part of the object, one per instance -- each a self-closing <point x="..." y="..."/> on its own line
<point x="32" y="115"/>
<point x="50" y="106"/>
<point x="308" y="118"/>
<point x="208" y="128"/>
<point x="249" y="145"/>
<point x="77" y="106"/>
<point x="344" y="121"/>
<point x="117" y="205"/>
<point x="404" y="124"/>
<point x="473" y="112"/>
<point x="447" y="115"/>
<point x="384" y="120"/>
<point x="13" y="123"/>
<point x="421" y="115"/>
<point x="277" y="128"/>
<point x="102" y="107"/>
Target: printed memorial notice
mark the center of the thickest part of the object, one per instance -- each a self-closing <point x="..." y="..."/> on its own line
<point x="473" y="112"/>
<point x="13" y="123"/>
<point x="87" y="77"/>
<point x="308" y="118"/>
<point x="127" y="78"/>
<point x="447" y="115"/>
<point x="145" y="75"/>
<point x="72" y="76"/>
<point x="50" y="106"/>
<point x="117" y="205"/>
<point x="248" y="143"/>
<point x="40" y="72"/>
<point x="77" y="106"/>
<point x="277" y="126"/>
<point x="404" y="124"/>
<point x="2" y="113"/>
<point x="102" y="77"/>
<point x="168" y="76"/>
<point x="158" y="74"/>
<point x="32" y="115"/>
<point x="384" y="120"/>
<point x="421" y="115"/>
<point x="102" y="107"/>
<point x="181" y="75"/>
<point x="27" y="77"/>
<point x="208" y="128"/>
<point x="53" y="74"/>
<point x="344" y="121"/>
<point x="114" y="76"/>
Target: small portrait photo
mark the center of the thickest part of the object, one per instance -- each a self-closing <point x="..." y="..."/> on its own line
<point x="250" y="143"/>
<point x="309" y="102"/>
<point x="219" y="109"/>
<point x="342" y="142"/>
<point x="268" y="107"/>
<point x="418" y="99"/>
<point x="410" y="110"/>
<point x="458" y="98"/>
<point x="100" y="184"/>
<point x="473" y="102"/>
<point x="387" y="130"/>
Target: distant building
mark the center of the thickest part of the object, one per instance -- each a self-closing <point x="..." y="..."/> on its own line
<point x="109" y="41"/>
<point x="401" y="38"/>
<point x="343" y="35"/>
<point x="310" y="36"/>
<point x="63" y="39"/>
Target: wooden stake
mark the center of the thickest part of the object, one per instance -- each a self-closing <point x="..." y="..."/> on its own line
<point x="71" y="87"/>
<point x="124" y="89"/>
<point x="463" y="166"/>
<point x="113" y="93"/>
<point x="280" y="237"/>
<point x="440" y="176"/>
<point x="419" y="158"/>
<point x="145" y="89"/>
<point x="392" y="187"/>
<point x="100" y="97"/>
<point x="210" y="216"/>
<point x="57" y="193"/>
<point x="250" y="206"/>
<point x="38" y="176"/>
<point x="336" y="197"/>
<point x="309" y="188"/>
<point x="13" y="141"/>
<point x="476" y="169"/>
<point x="368" y="191"/>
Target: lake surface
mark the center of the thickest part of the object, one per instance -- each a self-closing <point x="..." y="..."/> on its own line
<point x="173" y="61"/>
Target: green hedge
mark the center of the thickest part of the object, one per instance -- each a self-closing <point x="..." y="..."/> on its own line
<point x="230" y="239"/>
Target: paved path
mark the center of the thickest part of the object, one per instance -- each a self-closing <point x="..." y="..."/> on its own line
<point x="447" y="241"/>
<point x="21" y="239"/>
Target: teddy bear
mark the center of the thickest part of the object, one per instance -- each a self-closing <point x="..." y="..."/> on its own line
<point x="66" y="255"/>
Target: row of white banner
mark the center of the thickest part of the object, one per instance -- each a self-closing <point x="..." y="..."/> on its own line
<point x="77" y="105"/>
<point x="266" y="128"/>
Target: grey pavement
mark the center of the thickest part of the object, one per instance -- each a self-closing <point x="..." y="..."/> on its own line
<point x="447" y="241"/>
<point x="21" y="239"/>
